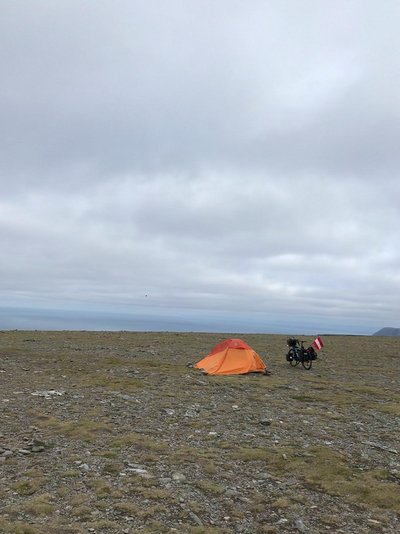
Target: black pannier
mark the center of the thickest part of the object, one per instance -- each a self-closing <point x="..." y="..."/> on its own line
<point x="312" y="353"/>
<point x="292" y="342"/>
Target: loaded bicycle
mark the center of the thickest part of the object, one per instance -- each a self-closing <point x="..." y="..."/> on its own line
<point x="299" y="354"/>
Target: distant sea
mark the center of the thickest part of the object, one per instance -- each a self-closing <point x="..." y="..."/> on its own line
<point x="45" y="319"/>
<point x="12" y="318"/>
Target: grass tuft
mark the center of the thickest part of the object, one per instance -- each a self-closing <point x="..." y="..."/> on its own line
<point x="210" y="487"/>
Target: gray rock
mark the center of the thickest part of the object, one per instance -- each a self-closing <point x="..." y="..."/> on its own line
<point x="138" y="471"/>
<point x="178" y="477"/>
<point x="37" y="448"/>
<point x="190" y="413"/>
<point x="24" y="451"/>
<point x="299" y="525"/>
<point x="265" y="422"/>
<point x="35" y="445"/>
<point x="48" y="393"/>
<point x="196" y="518"/>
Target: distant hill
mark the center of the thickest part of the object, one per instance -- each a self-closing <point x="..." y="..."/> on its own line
<point x="387" y="331"/>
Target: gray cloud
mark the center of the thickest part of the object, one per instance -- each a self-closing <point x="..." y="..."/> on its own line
<point x="202" y="156"/>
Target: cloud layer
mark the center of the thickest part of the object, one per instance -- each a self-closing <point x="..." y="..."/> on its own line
<point x="190" y="158"/>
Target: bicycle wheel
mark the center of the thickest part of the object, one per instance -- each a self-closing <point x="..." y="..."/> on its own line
<point x="293" y="361"/>
<point x="307" y="363"/>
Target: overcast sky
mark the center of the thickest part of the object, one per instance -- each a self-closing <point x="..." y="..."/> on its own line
<point x="205" y="164"/>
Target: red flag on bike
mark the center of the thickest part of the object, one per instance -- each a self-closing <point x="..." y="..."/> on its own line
<point x="318" y="343"/>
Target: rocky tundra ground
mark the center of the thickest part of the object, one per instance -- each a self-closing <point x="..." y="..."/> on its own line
<point x="117" y="433"/>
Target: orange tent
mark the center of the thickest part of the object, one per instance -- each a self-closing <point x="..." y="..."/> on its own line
<point x="232" y="357"/>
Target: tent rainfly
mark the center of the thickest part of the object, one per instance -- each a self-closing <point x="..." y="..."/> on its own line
<point x="232" y="357"/>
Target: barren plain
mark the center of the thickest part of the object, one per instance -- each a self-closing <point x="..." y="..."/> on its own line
<point x="115" y="433"/>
